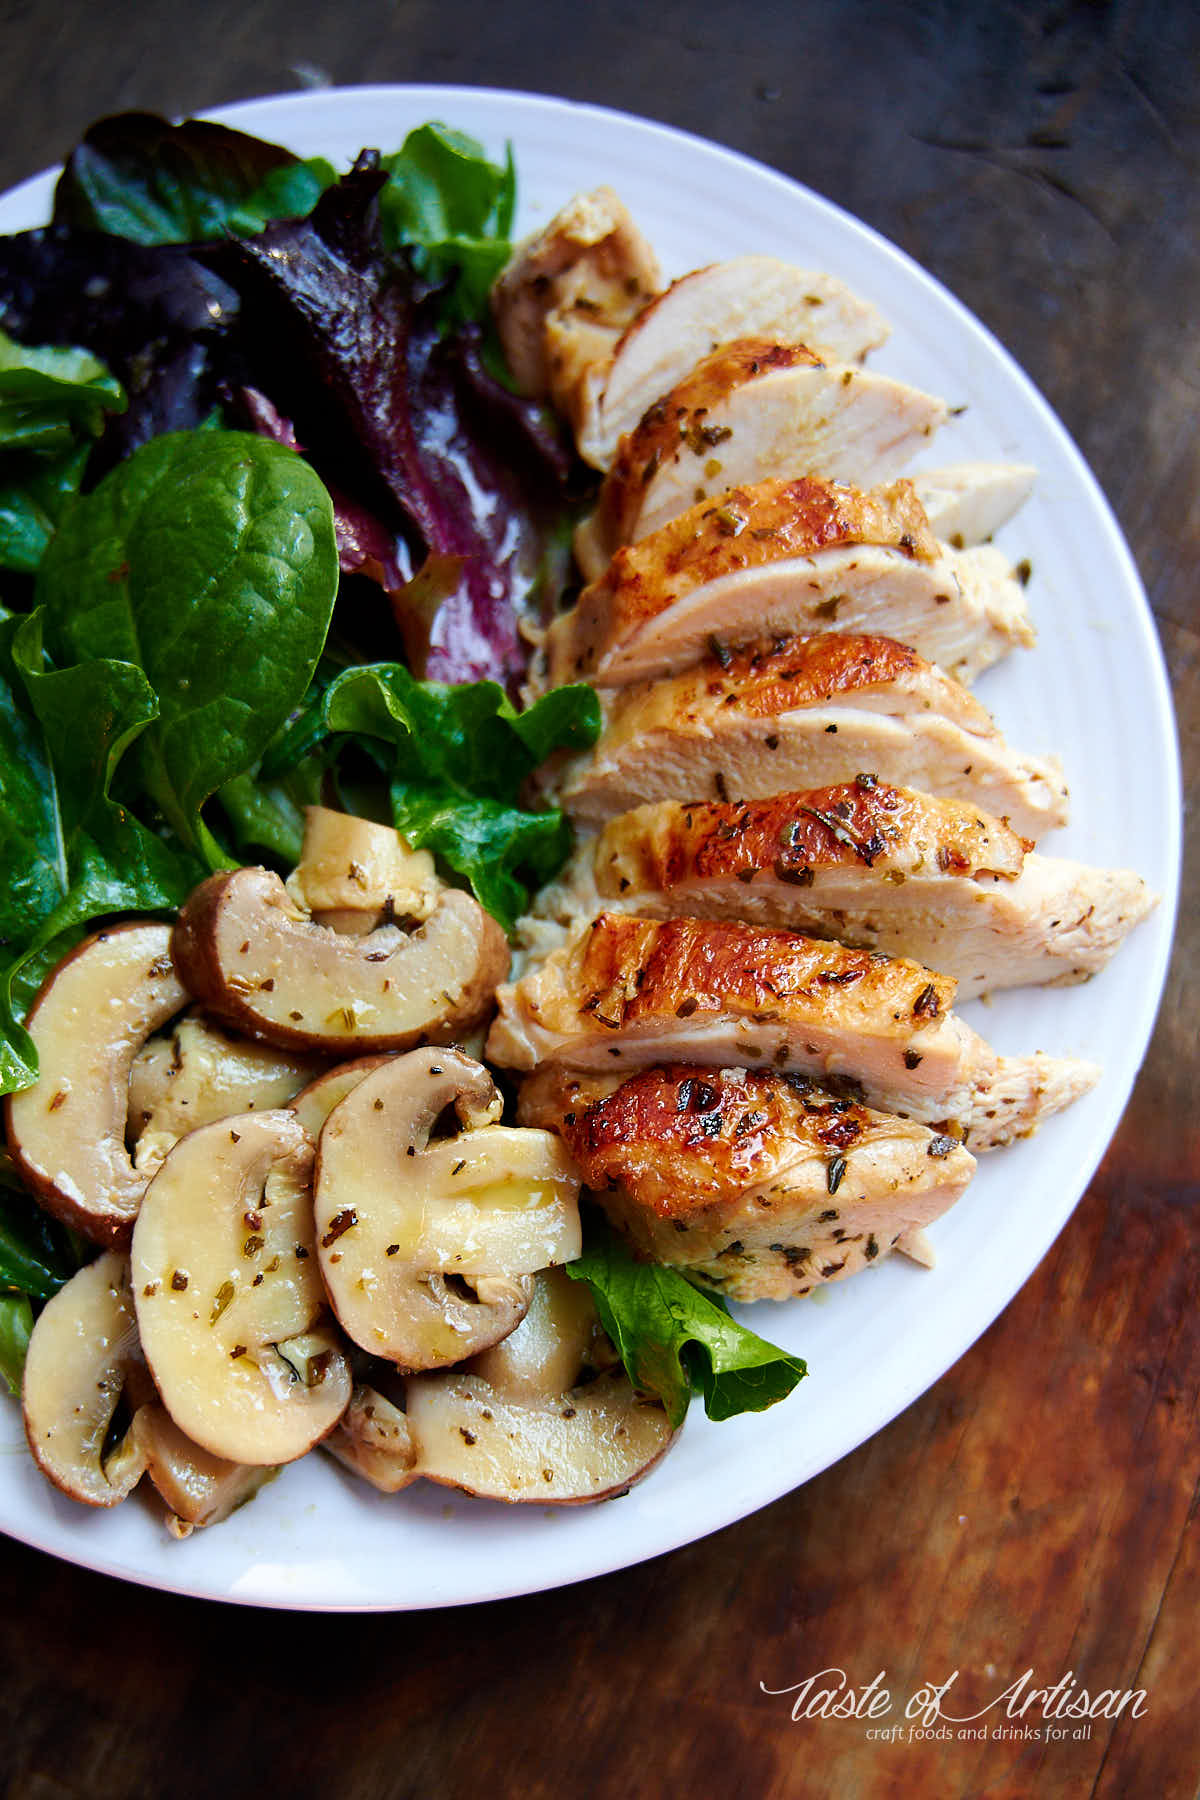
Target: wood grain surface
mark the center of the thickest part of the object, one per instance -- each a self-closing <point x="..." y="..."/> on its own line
<point x="1037" y="1508"/>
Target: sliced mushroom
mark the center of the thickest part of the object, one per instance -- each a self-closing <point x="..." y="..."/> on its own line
<point x="197" y="1487"/>
<point x="67" y="1133"/>
<point x="75" y="1371"/>
<point x="520" y="1425"/>
<point x="373" y="1440"/>
<point x="424" y="1245"/>
<point x="198" y="1073"/>
<point x="313" y="1105"/>
<point x="249" y="953"/>
<point x="354" y="874"/>
<point x="229" y="1300"/>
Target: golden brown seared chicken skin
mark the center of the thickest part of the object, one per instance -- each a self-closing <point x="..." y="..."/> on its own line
<point x="751" y="411"/>
<point x="661" y="599"/>
<point x="628" y="992"/>
<point x="805" y="712"/>
<point x="759" y="1182"/>
<point x="751" y="296"/>
<point x="878" y="866"/>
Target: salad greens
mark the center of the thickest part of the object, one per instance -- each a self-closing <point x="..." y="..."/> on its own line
<point x="209" y="561"/>
<point x="676" y="1339"/>
<point x="456" y="760"/>
<point x="53" y="405"/>
<point x="250" y="445"/>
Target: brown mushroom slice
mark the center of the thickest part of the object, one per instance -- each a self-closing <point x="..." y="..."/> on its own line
<point x="353" y="873"/>
<point x="250" y="954"/>
<point x="372" y="1439"/>
<point x="313" y="1104"/>
<point x="200" y="1072"/>
<point x="424" y="1245"/>
<point x="559" y="1335"/>
<point x="229" y="1299"/>
<point x="75" y="1370"/>
<point x="521" y="1426"/>
<point x="67" y="1132"/>
<point x="197" y="1488"/>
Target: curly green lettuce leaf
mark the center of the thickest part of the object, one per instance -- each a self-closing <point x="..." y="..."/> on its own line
<point x="676" y="1340"/>
<point x="453" y="207"/>
<point x="458" y="758"/>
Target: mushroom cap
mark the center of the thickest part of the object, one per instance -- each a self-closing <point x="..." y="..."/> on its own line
<point x="313" y="1104"/>
<point x="245" y="949"/>
<point x="350" y="866"/>
<point x="196" y="1487"/>
<point x="200" y="1072"/>
<point x="424" y="1244"/>
<point x="373" y="1440"/>
<point x="228" y="1295"/>
<point x="589" y="1444"/>
<point x="67" y="1133"/>
<point x="75" y="1369"/>
<point x="519" y="1424"/>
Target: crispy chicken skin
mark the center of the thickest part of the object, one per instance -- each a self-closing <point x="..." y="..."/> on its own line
<point x="760" y="1183"/>
<point x="768" y="523"/>
<point x="627" y="992"/>
<point x="805" y="712"/>
<point x="881" y="867"/>
<point x="750" y="296"/>
<point x="779" y="557"/>
<point x="751" y="411"/>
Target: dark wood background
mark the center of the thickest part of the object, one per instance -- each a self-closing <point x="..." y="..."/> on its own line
<point x="1035" y="1508"/>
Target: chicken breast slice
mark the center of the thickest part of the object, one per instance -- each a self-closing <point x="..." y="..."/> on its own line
<point x="787" y="557"/>
<point x="967" y="502"/>
<point x="628" y="992"/>
<point x="568" y="293"/>
<point x="808" y="712"/>
<point x="751" y="296"/>
<point x="760" y="1184"/>
<point x="619" y="629"/>
<point x="750" y="411"/>
<point x="879" y="867"/>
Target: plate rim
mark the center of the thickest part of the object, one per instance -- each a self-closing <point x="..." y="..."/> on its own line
<point x="308" y="103"/>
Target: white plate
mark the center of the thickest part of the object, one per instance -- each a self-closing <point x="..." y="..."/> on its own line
<point x="1094" y="690"/>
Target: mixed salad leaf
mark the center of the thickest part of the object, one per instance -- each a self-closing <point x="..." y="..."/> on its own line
<point x="676" y="1339"/>
<point x="253" y="447"/>
<point x="53" y="405"/>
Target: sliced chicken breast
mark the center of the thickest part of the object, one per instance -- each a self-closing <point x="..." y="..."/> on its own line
<point x="782" y="557"/>
<point x="759" y="1183"/>
<point x="750" y="411"/>
<point x="967" y="502"/>
<point x="879" y="867"/>
<point x="751" y="296"/>
<point x="809" y="712"/>
<point x="568" y="293"/>
<point x="629" y="992"/>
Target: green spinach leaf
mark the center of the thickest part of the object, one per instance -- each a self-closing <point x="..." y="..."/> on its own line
<point x="53" y="404"/>
<point x="208" y="562"/>
<point x="75" y="853"/>
<point x="675" y="1339"/>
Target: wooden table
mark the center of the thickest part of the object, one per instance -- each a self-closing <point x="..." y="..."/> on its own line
<point x="1036" y="1508"/>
